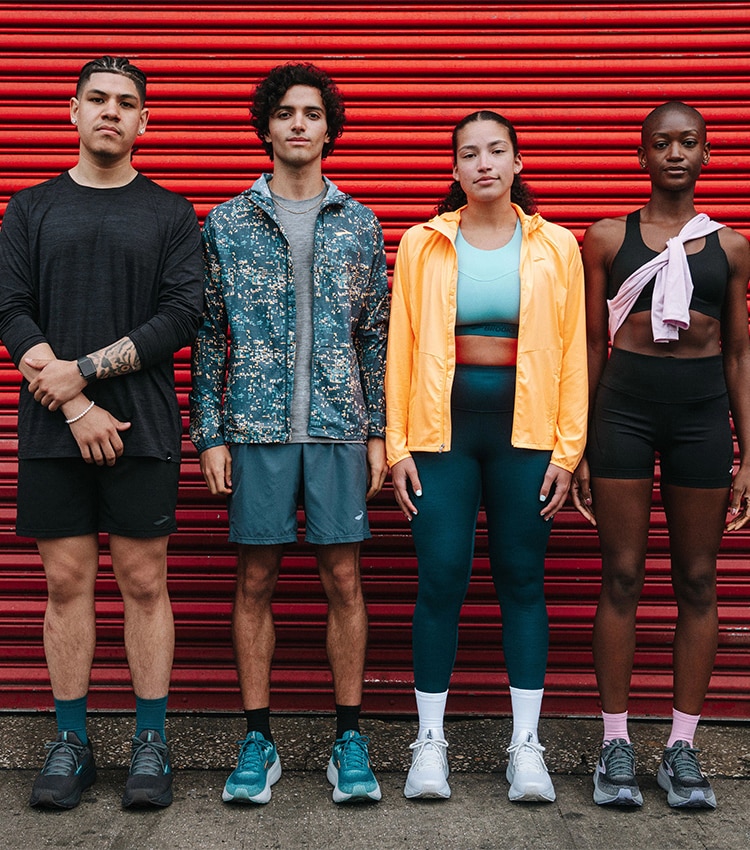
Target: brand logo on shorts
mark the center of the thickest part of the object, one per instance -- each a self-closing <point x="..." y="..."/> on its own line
<point x="359" y="516"/>
<point x="163" y="520"/>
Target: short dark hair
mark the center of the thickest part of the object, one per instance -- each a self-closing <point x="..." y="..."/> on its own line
<point x="113" y="65"/>
<point x="520" y="193"/>
<point x="272" y="88"/>
<point x="674" y="106"/>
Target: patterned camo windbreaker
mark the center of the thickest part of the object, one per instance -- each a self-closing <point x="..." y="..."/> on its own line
<point x="243" y="357"/>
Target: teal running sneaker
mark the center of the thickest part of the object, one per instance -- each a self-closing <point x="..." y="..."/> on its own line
<point x="680" y="775"/>
<point x="349" y="770"/>
<point x="67" y="771"/>
<point x="149" y="781"/>
<point x="258" y="768"/>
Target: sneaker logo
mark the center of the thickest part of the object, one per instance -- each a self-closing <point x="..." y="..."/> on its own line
<point x="359" y="515"/>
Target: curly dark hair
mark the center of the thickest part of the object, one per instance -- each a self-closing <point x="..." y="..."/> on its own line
<point x="520" y="193"/>
<point x="272" y="88"/>
<point x="113" y="65"/>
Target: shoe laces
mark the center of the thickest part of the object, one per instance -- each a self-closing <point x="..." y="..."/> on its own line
<point x="429" y="753"/>
<point x="352" y="752"/>
<point x="149" y="757"/>
<point x="63" y="758"/>
<point x="254" y="752"/>
<point x="527" y="756"/>
<point x="619" y="758"/>
<point x="684" y="762"/>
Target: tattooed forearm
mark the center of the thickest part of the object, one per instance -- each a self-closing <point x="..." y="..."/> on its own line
<point x="120" y="358"/>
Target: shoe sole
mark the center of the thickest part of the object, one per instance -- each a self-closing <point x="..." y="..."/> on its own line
<point x="142" y="800"/>
<point x="698" y="798"/>
<point x="359" y="794"/>
<point x="427" y="791"/>
<point x="626" y="797"/>
<point x="531" y="793"/>
<point x="241" y="795"/>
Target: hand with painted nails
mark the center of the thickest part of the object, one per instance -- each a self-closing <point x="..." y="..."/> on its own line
<point x="404" y="475"/>
<point x="554" y="490"/>
<point x="580" y="491"/>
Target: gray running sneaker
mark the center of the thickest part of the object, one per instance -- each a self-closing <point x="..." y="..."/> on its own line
<point x="67" y="771"/>
<point x="680" y="775"/>
<point x="614" y="778"/>
<point x="149" y="781"/>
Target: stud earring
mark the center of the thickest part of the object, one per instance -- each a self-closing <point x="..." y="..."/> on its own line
<point x="73" y="121"/>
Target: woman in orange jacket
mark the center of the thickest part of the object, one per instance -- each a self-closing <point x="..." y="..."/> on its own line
<point x="486" y="397"/>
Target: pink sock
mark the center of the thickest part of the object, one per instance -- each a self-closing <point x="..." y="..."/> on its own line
<point x="683" y="727"/>
<point x="615" y="726"/>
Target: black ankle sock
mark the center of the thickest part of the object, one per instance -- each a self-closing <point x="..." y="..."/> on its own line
<point x="347" y="718"/>
<point x="259" y="720"/>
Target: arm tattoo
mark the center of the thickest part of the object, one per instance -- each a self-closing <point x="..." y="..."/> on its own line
<point x="120" y="358"/>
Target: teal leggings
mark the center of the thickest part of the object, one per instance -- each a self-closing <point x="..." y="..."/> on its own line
<point x="481" y="468"/>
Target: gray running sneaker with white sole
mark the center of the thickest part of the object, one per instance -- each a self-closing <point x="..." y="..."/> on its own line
<point x="680" y="775"/>
<point x="614" y="778"/>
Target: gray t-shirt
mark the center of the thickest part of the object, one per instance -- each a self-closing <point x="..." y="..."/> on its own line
<point x="298" y="220"/>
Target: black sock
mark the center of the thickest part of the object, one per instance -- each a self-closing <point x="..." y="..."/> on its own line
<point x="259" y="720"/>
<point x="347" y="718"/>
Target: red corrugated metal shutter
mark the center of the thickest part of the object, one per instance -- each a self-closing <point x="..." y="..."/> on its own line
<point x="576" y="79"/>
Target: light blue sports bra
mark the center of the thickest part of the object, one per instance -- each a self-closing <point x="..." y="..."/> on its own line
<point x="489" y="288"/>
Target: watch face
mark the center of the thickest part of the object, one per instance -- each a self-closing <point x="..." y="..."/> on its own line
<point x="86" y="368"/>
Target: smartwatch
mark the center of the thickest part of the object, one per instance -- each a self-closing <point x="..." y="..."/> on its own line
<point x="87" y="369"/>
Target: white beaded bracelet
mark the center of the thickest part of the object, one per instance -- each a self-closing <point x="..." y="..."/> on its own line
<point x="80" y="415"/>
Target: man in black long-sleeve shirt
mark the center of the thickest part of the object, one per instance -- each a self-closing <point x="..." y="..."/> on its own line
<point x="100" y="283"/>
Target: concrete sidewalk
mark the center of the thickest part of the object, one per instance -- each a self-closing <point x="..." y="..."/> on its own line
<point x="301" y="814"/>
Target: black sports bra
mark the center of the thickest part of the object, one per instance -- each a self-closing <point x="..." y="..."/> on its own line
<point x="709" y="269"/>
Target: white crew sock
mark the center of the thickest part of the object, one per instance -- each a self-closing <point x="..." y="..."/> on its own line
<point x="527" y="706"/>
<point x="431" y="708"/>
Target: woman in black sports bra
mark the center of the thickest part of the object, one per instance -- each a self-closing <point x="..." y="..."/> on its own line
<point x="680" y="361"/>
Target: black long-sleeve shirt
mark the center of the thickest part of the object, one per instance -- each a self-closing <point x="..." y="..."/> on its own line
<point x="81" y="268"/>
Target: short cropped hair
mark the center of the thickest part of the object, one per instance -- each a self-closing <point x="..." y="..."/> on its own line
<point x="113" y="65"/>
<point x="272" y="88"/>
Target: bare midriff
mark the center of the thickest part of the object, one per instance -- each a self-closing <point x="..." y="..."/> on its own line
<point x="701" y="339"/>
<point x="486" y="350"/>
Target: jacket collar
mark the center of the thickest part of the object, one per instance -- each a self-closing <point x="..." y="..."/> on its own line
<point x="448" y="222"/>
<point x="260" y="193"/>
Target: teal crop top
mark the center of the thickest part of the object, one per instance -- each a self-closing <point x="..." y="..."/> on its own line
<point x="488" y="297"/>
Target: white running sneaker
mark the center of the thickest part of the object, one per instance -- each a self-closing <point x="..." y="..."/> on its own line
<point x="527" y="773"/>
<point x="428" y="774"/>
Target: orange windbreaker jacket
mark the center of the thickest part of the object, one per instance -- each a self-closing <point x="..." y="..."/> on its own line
<point x="551" y="400"/>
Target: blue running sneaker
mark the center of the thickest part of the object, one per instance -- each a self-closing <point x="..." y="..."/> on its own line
<point x="680" y="775"/>
<point x="149" y="781"/>
<point x="614" y="778"/>
<point x="349" y="770"/>
<point x="67" y="771"/>
<point x="258" y="768"/>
